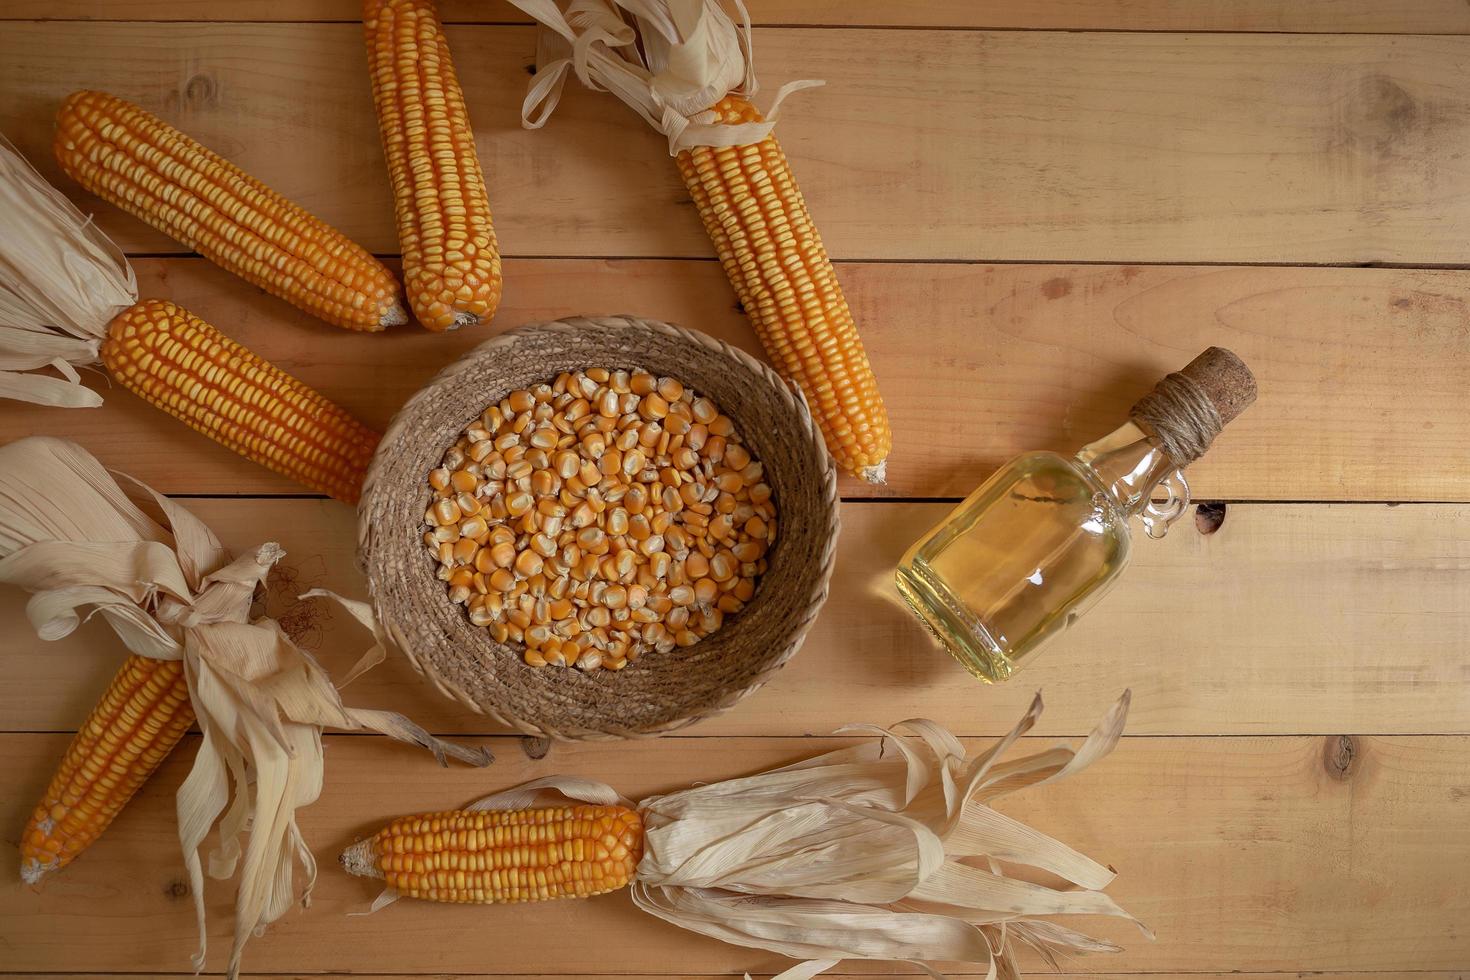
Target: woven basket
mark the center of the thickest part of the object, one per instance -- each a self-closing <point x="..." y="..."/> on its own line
<point x="660" y="692"/>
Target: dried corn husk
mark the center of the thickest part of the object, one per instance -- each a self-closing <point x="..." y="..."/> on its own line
<point x="84" y="542"/>
<point x="888" y="850"/>
<point x="670" y="60"/>
<point x="61" y="283"/>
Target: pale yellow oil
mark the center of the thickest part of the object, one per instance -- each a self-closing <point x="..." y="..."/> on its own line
<point x="1017" y="563"/>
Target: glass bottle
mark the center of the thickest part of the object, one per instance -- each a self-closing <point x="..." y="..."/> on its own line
<point x="1042" y="540"/>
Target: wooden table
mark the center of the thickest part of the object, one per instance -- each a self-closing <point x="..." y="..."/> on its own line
<point x="1038" y="207"/>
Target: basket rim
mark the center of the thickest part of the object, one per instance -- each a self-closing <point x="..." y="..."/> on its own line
<point x="412" y="410"/>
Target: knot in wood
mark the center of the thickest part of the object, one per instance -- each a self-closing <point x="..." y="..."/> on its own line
<point x="1377" y="113"/>
<point x="1338" y="755"/>
<point x="201" y="91"/>
<point x="1208" y="517"/>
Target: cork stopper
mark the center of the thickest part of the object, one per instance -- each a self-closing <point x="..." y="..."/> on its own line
<point x="1187" y="409"/>
<point x="1225" y="381"/>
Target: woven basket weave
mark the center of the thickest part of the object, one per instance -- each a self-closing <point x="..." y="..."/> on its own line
<point x="660" y="692"/>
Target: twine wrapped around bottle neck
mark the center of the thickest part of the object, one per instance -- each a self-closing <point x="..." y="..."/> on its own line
<point x="1181" y="416"/>
<point x="1187" y="409"/>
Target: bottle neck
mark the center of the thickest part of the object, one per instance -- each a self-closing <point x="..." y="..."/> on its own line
<point x="1129" y="464"/>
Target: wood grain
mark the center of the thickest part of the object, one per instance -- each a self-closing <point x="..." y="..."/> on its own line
<point x="1305" y="16"/>
<point x="1242" y="853"/>
<point x="931" y="145"/>
<point x="1362" y="371"/>
<point x="1286" y="620"/>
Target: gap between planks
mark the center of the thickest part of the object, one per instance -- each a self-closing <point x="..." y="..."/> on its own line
<point x="834" y="975"/>
<point x="1266" y="16"/>
<point x="510" y="739"/>
<point x="1194" y="501"/>
<point x="395" y="258"/>
<point x="780" y="25"/>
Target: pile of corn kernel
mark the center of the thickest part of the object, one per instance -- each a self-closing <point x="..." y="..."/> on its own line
<point x="598" y="517"/>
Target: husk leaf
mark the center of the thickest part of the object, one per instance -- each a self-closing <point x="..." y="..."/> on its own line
<point x="84" y="542"/>
<point x="61" y="283"/>
<point x="670" y="60"/>
<point x="842" y="850"/>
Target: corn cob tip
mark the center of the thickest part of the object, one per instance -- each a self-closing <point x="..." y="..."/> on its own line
<point x="394" y="316"/>
<point x="358" y="860"/>
<point x="31" y="870"/>
<point x="876" y="475"/>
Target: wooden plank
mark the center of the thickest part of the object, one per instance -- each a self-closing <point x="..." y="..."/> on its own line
<point x="1242" y="853"/>
<point x="931" y="145"/>
<point x="1306" y="16"/>
<point x="1288" y="619"/>
<point x="1013" y="358"/>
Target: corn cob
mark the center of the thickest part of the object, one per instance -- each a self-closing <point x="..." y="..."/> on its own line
<point x="138" y="162"/>
<point x="496" y="856"/>
<point x="179" y="363"/>
<point x="451" y="263"/>
<point x="144" y="713"/>
<point x="754" y="213"/>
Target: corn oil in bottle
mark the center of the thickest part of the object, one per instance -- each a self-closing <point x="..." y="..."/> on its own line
<point x="1042" y="540"/>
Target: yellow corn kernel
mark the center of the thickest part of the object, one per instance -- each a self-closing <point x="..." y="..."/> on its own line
<point x="135" y="160"/>
<point x="757" y="219"/>
<point x="451" y="263"/>
<point x="141" y="717"/>
<point x="497" y="856"/>
<point x="179" y="363"/>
